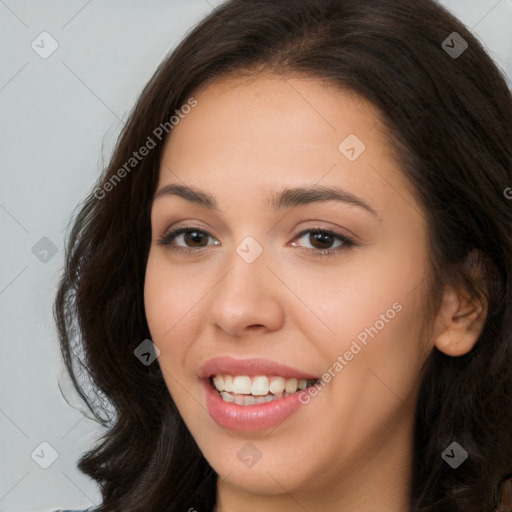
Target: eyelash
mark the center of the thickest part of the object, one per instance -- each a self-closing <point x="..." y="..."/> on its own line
<point x="346" y="242"/>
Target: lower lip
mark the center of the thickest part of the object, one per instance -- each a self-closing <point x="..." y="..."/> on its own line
<point x="249" y="418"/>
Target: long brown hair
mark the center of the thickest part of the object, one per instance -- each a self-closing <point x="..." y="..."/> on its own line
<point x="450" y="121"/>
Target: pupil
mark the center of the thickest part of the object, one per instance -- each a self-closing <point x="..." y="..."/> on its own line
<point x="195" y="238"/>
<point x="322" y="239"/>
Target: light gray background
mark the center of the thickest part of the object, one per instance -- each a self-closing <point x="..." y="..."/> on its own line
<point x="60" y="117"/>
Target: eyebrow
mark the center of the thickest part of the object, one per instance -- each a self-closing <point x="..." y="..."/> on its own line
<point x="191" y="194"/>
<point x="287" y="198"/>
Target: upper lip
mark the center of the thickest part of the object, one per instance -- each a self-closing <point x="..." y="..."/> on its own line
<point x="251" y="367"/>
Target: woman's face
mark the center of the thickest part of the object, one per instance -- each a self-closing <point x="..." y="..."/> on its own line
<point x="304" y="259"/>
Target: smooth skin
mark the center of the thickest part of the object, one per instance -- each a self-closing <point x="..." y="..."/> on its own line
<point x="349" y="448"/>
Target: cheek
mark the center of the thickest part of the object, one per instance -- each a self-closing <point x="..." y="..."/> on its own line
<point x="378" y="337"/>
<point x="170" y="294"/>
<point x="373" y="366"/>
<point x="381" y="367"/>
<point x="364" y="292"/>
<point x="168" y="301"/>
<point x="173" y="296"/>
<point x="369" y="311"/>
<point x="166" y="306"/>
<point x="159" y="300"/>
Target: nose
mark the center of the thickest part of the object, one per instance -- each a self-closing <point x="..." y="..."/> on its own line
<point x="248" y="298"/>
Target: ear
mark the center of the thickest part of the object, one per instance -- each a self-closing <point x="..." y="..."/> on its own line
<point x="458" y="323"/>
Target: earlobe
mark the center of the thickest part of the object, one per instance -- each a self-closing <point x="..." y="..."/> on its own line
<point x="459" y="323"/>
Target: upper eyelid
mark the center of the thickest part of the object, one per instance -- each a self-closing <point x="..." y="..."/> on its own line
<point x="175" y="232"/>
<point x="323" y="230"/>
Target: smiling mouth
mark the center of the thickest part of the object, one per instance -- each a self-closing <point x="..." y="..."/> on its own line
<point x="258" y="389"/>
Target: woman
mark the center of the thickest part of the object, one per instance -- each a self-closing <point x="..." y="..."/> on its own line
<point x="290" y="290"/>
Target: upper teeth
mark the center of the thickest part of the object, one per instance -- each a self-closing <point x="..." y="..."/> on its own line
<point x="258" y="385"/>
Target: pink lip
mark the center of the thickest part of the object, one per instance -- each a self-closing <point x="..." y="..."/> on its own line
<point x="251" y="367"/>
<point x="248" y="418"/>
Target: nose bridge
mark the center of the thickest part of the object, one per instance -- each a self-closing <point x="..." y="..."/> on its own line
<point x="248" y="294"/>
<point x="248" y="264"/>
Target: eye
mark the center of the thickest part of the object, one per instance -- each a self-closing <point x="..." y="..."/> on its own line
<point x="187" y="238"/>
<point x="317" y="241"/>
<point x="324" y="242"/>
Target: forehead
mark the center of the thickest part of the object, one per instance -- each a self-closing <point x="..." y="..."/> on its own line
<point x="266" y="132"/>
<point x="275" y="102"/>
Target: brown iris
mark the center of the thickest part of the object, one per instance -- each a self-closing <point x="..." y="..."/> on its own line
<point x="321" y="240"/>
<point x="195" y="238"/>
